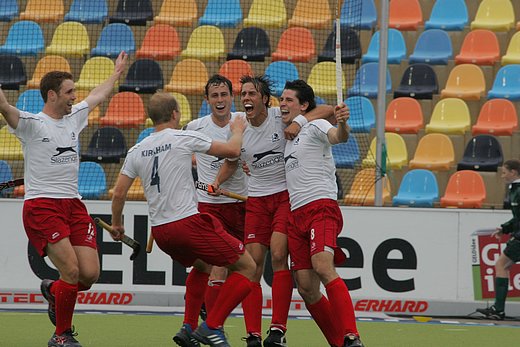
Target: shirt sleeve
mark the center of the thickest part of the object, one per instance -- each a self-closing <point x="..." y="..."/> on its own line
<point x="320" y="129"/>
<point x="28" y="124"/>
<point x="128" y="168"/>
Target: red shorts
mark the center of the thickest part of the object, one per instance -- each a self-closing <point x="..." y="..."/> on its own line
<point x="264" y="215"/>
<point x="314" y="228"/>
<point x="200" y="236"/>
<point x="49" y="220"/>
<point x="232" y="216"/>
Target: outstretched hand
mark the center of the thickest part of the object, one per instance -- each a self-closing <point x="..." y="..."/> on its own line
<point x="342" y="113"/>
<point x="121" y="62"/>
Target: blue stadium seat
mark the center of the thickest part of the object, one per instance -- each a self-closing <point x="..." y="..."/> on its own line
<point x="222" y="13"/>
<point x="419" y="81"/>
<point x="8" y="10"/>
<point x="107" y="145"/>
<point x="507" y="83"/>
<point x="280" y="72"/>
<point x="114" y="38"/>
<point x="346" y="155"/>
<point x="30" y="101"/>
<point x="350" y="47"/>
<point x="451" y="15"/>
<point x="5" y="175"/>
<point x="251" y="44"/>
<point x="12" y="72"/>
<point x="482" y="153"/>
<point x="319" y="100"/>
<point x="144" y="76"/>
<point x="432" y="47"/>
<point x="133" y="12"/>
<point x="205" y="110"/>
<point x="144" y="134"/>
<point x="418" y="188"/>
<point x="366" y="82"/>
<point x="24" y="38"/>
<point x="396" y="48"/>
<point x="360" y="14"/>
<point x="362" y="114"/>
<point x="87" y="11"/>
<point x="92" y="182"/>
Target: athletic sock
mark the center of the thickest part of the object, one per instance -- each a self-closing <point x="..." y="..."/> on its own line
<point x="212" y="293"/>
<point x="65" y="295"/>
<point x="236" y="288"/>
<point x="501" y="287"/>
<point x="196" y="285"/>
<point x="282" y="295"/>
<point x="322" y="313"/>
<point x="252" y="307"/>
<point x="342" y="307"/>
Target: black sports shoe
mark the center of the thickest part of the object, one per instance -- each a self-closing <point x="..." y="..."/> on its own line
<point x="275" y="338"/>
<point x="492" y="313"/>
<point x="45" y="288"/>
<point x="203" y="313"/>
<point x="184" y="337"/>
<point x="253" y="340"/>
<point x="351" y="340"/>
<point x="64" y="340"/>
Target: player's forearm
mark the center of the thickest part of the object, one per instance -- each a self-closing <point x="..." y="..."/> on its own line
<point x="320" y="112"/>
<point x="10" y="113"/>
<point x="101" y="92"/>
<point x="118" y="204"/>
<point x="226" y="171"/>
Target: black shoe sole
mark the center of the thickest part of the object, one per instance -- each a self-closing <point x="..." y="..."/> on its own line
<point x="51" y="312"/>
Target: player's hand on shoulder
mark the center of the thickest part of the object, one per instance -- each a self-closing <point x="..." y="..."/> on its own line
<point x="292" y="131"/>
<point x="238" y="124"/>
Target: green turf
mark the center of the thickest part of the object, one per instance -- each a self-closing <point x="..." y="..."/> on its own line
<point x="103" y="330"/>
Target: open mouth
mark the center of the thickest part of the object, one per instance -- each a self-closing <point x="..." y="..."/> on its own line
<point x="248" y="108"/>
<point x="220" y="107"/>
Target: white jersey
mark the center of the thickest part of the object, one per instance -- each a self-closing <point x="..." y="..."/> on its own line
<point x="50" y="150"/>
<point x="163" y="162"/>
<point x="262" y="150"/>
<point x="309" y="165"/>
<point x="208" y="165"/>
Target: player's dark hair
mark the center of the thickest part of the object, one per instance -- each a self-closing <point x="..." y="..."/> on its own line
<point x="217" y="80"/>
<point x="161" y="107"/>
<point x="304" y="92"/>
<point x="52" y="80"/>
<point x="513" y="164"/>
<point x="261" y="84"/>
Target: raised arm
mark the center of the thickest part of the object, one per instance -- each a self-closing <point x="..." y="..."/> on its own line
<point x="10" y="113"/>
<point x="320" y="112"/>
<point x="341" y="133"/>
<point x="123" y="184"/>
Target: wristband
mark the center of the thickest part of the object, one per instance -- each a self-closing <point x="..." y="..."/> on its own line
<point x="301" y="120"/>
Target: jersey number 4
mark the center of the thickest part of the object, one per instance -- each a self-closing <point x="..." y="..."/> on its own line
<point x="155" y="180"/>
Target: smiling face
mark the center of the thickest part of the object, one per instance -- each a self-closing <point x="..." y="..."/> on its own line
<point x="219" y="99"/>
<point x="290" y="106"/>
<point x="64" y="99"/>
<point x="254" y="103"/>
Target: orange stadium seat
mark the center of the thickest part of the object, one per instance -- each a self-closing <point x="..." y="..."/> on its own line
<point x="206" y="43"/>
<point x="234" y="70"/>
<point x="43" y="11"/>
<point x="295" y="45"/>
<point x="125" y="110"/>
<point x="312" y="14"/>
<point x="161" y="42"/>
<point x="466" y="81"/>
<point x="46" y="64"/>
<point x="497" y="117"/>
<point x="178" y="13"/>
<point x="405" y="14"/>
<point x="434" y="152"/>
<point x="480" y="47"/>
<point x="465" y="189"/>
<point x="266" y="14"/>
<point x="362" y="192"/>
<point x="189" y="77"/>
<point x="404" y="116"/>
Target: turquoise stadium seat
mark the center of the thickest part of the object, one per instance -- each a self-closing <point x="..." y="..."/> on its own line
<point x="222" y="13"/>
<point x="24" y="38"/>
<point x="450" y="15"/>
<point x="366" y="82"/>
<point x="114" y="38"/>
<point x="507" y="83"/>
<point x="279" y="72"/>
<point x="432" y="47"/>
<point x="360" y="14"/>
<point x="92" y="183"/>
<point x="6" y="174"/>
<point x="8" y="10"/>
<point x="346" y="155"/>
<point x="362" y="114"/>
<point x="144" y="134"/>
<point x="30" y="101"/>
<point x="205" y="110"/>
<point x="396" y="48"/>
<point x="418" y="188"/>
<point x="87" y="11"/>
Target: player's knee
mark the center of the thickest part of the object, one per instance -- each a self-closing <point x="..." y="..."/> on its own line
<point x="279" y="259"/>
<point x="309" y="293"/>
<point x="70" y="274"/>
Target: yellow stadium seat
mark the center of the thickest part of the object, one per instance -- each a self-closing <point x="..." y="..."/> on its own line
<point x="70" y="39"/>
<point x="322" y="79"/>
<point x="433" y="152"/>
<point x="95" y="114"/>
<point x="94" y="72"/>
<point x="184" y="107"/>
<point x="496" y="15"/>
<point x="43" y="11"/>
<point x="46" y="64"/>
<point x="136" y="191"/>
<point x="177" y="13"/>
<point x="466" y="81"/>
<point x="312" y="14"/>
<point x="450" y="116"/>
<point x="512" y="55"/>
<point x="363" y="189"/>
<point x="205" y="43"/>
<point x="266" y="14"/>
<point x="189" y="77"/>
<point x="10" y="146"/>
<point x="397" y="154"/>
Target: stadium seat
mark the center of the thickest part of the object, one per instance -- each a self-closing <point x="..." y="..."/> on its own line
<point x="144" y="134"/>
<point x="405" y="14"/>
<point x="360" y="14"/>
<point x="450" y="116"/>
<point x="278" y="73"/>
<point x="161" y="42"/>
<point x="404" y="116"/>
<point x="362" y="192"/>
<point x="24" y="38"/>
<point x="418" y="188"/>
<point x="466" y="81"/>
<point x="184" y="108"/>
<point x="432" y="47"/>
<point x="189" y="77"/>
<point x="107" y="145"/>
<point x="322" y="79"/>
<point x="205" y="43"/>
<point x="362" y="115"/>
<point x="177" y="13"/>
<point x="496" y="15"/>
<point x="419" y="81"/>
<point x="87" y="11"/>
<point x="396" y="48"/>
<point x="12" y="72"/>
<point x="350" y="47"/>
<point x="205" y="110"/>
<point x="125" y="110"/>
<point x="482" y="153"/>
<point x="132" y="12"/>
<point x="144" y="76"/>
<point x="43" y="11"/>
<point x="70" y="39"/>
<point x="465" y="189"/>
<point x="94" y="72"/>
<point x="234" y="70"/>
<point x="92" y="182"/>
<point x="512" y="55"/>
<point x="507" y="83"/>
<point x="31" y="101"/>
<point x="114" y="38"/>
<point x="366" y="82"/>
<point x="296" y="45"/>
<point x="8" y="10"/>
<point x="6" y="174"/>
<point x="434" y="152"/>
<point x="479" y="47"/>
<point x="251" y="44"/>
<point x="10" y="146"/>
<point x="222" y="13"/>
<point x="267" y="14"/>
<point x="497" y="117"/>
<point x="449" y="15"/>
<point x="312" y="14"/>
<point x="95" y="114"/>
<point x="135" y="193"/>
<point x="397" y="154"/>
<point x="46" y="64"/>
<point x="346" y="155"/>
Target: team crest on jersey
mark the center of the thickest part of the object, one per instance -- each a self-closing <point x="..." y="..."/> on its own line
<point x="275" y="137"/>
<point x="73" y="137"/>
<point x="297" y="141"/>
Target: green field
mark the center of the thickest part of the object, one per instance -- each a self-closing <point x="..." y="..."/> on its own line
<point x="127" y="330"/>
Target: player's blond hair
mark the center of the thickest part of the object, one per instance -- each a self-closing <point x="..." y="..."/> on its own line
<point x="161" y="107"/>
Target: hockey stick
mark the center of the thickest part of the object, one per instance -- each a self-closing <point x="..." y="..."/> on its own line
<point x="11" y="184"/>
<point x="211" y="189"/>
<point x="339" y="69"/>
<point x="136" y="246"/>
